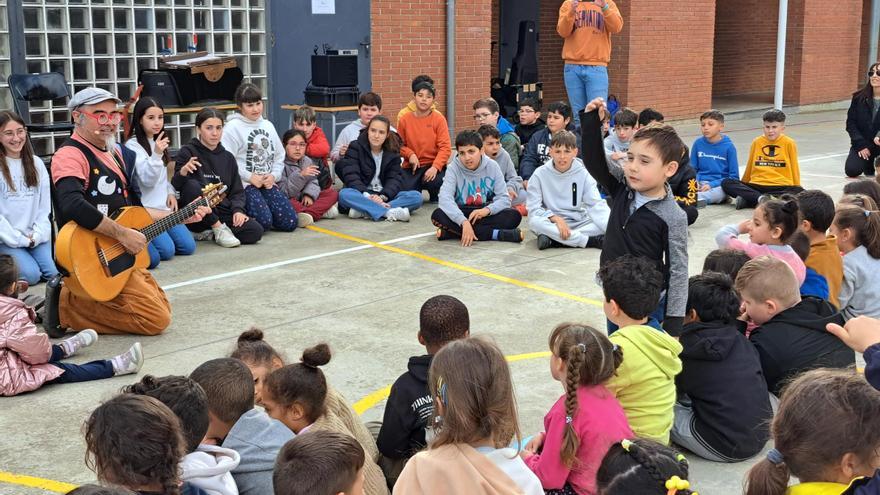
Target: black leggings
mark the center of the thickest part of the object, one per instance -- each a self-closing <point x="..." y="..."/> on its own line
<point x="856" y="165"/>
<point x="249" y="233"/>
<point x="505" y="219"/>
<point x="751" y="192"/>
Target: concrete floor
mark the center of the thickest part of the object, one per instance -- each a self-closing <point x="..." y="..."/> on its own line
<point x="308" y="287"/>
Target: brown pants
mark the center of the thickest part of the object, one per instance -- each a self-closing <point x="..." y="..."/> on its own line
<point x="141" y="308"/>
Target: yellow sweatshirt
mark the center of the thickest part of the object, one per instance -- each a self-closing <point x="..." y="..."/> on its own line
<point x="773" y="163"/>
<point x="588" y="31"/>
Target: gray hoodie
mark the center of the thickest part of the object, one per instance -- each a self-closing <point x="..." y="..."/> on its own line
<point x="514" y="181"/>
<point x="572" y="195"/>
<point x="255" y="145"/>
<point x="257" y="438"/>
<point x="613" y="144"/>
<point x="483" y="187"/>
<point x="292" y="182"/>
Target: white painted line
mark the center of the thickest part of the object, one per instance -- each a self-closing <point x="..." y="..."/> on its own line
<point x="822" y="157"/>
<point x="824" y="176"/>
<point x="293" y="261"/>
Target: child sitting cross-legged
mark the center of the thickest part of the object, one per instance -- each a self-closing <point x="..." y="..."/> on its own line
<point x="713" y="157"/>
<point x="475" y="420"/>
<point x="618" y="141"/>
<point x="722" y="424"/>
<point x="296" y="395"/>
<point x="31" y="361"/>
<point x="565" y="208"/>
<point x="816" y="214"/>
<point x="643" y="467"/>
<point x="299" y="181"/>
<point x="857" y="230"/>
<point x="492" y="149"/>
<point x="586" y="420"/>
<point x="205" y="466"/>
<point x="474" y="202"/>
<point x="790" y="335"/>
<point x="644" y="383"/>
<point x="320" y="463"/>
<point x="317" y="146"/>
<point x="234" y="423"/>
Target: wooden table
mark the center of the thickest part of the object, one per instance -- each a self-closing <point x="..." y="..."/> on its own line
<point x="219" y="106"/>
<point x="328" y="110"/>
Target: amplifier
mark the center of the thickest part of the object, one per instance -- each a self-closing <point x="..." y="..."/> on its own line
<point x="335" y="71"/>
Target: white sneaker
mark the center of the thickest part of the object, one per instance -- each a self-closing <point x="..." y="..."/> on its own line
<point x="73" y="344"/>
<point x="224" y="237"/>
<point x="205" y="235"/>
<point x="397" y="215"/>
<point x="128" y="362"/>
<point x="333" y="212"/>
<point x="352" y="213"/>
<point x="304" y="219"/>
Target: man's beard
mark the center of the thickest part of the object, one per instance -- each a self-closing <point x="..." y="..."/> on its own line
<point x="110" y="142"/>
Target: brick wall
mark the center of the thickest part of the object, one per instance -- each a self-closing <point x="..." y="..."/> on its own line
<point x="745" y="47"/>
<point x="822" y="52"/>
<point x="405" y="45"/>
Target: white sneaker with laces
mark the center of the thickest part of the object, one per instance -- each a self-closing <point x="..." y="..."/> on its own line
<point x="224" y="237"/>
<point x="205" y="235"/>
<point x="128" y="362"/>
<point x="397" y="215"/>
<point x="352" y="213"/>
<point x="333" y="212"/>
<point x="82" y="339"/>
<point x="304" y="219"/>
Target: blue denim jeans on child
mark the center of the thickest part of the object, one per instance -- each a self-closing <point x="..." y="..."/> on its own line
<point x="33" y="263"/>
<point x="73" y="373"/>
<point x="354" y="199"/>
<point x="583" y="84"/>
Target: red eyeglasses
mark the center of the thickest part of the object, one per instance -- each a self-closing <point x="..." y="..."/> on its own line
<point x="104" y="118"/>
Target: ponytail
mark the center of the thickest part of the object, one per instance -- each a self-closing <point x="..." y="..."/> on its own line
<point x="782" y="214"/>
<point x="767" y="478"/>
<point x="865" y="223"/>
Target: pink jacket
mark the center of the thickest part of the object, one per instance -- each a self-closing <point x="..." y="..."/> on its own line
<point x="24" y="353"/>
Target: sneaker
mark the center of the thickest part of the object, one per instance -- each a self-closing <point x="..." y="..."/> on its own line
<point x="510" y="235"/>
<point x="544" y="242"/>
<point x="521" y="208"/>
<point x="128" y="362"/>
<point x="596" y="241"/>
<point x="443" y="235"/>
<point x="701" y="203"/>
<point x="84" y="338"/>
<point x="397" y="215"/>
<point x="740" y="203"/>
<point x="224" y="237"/>
<point x="205" y="235"/>
<point x="304" y="219"/>
<point x="352" y="213"/>
<point x="332" y="213"/>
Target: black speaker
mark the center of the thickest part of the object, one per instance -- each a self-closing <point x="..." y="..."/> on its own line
<point x="334" y="70"/>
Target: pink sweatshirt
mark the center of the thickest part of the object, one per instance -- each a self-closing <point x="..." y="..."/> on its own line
<point x="728" y="237"/>
<point x="599" y="422"/>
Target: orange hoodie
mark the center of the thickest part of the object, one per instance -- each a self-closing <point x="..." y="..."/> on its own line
<point x="427" y="137"/>
<point x="588" y="31"/>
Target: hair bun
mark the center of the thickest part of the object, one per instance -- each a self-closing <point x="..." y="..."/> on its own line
<point x="790" y="207"/>
<point x="318" y="355"/>
<point x="253" y="334"/>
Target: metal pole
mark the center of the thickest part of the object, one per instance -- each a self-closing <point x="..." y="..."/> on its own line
<point x="874" y="37"/>
<point x="450" y="64"/>
<point x="780" y="53"/>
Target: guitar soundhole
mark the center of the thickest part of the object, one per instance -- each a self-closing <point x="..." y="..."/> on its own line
<point x="120" y="263"/>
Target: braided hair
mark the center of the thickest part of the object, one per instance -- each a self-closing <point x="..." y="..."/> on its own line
<point x="590" y="359"/>
<point x="644" y="467"/>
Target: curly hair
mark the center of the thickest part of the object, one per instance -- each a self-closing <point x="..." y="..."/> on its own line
<point x="303" y="383"/>
<point x="640" y="466"/>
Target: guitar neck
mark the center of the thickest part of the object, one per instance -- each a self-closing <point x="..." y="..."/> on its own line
<point x="159" y="226"/>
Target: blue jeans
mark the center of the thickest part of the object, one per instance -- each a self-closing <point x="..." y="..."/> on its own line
<point x="584" y="83"/>
<point x="73" y="373"/>
<point x="713" y="196"/>
<point x="33" y="263"/>
<point x="176" y="240"/>
<point x="271" y="208"/>
<point x="655" y="319"/>
<point x="353" y="199"/>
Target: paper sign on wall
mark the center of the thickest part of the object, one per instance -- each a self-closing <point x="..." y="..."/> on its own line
<point x="323" y="6"/>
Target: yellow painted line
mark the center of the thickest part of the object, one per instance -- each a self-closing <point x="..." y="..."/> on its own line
<point x="32" y="482"/>
<point x="375" y="398"/>
<point x="458" y="266"/>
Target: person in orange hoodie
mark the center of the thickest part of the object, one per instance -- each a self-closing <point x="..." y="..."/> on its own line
<point x="587" y="27"/>
<point x="317" y="146"/>
<point x="426" y="144"/>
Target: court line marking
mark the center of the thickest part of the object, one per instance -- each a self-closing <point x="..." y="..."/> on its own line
<point x="293" y="261"/>
<point x="822" y="157"/>
<point x="373" y="399"/>
<point x="459" y="266"/>
<point x="33" y="482"/>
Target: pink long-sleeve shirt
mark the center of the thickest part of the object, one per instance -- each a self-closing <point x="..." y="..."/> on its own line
<point x="599" y="422"/>
<point x="728" y="237"/>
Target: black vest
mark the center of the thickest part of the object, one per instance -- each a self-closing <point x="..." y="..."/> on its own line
<point x="105" y="190"/>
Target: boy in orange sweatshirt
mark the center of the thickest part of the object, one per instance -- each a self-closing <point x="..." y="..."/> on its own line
<point x="587" y="27"/>
<point x="426" y="146"/>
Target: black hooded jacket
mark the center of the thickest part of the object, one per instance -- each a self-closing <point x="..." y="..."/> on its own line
<point x="407" y="412"/>
<point x="721" y="373"/>
<point x="795" y="341"/>
<point x="357" y="168"/>
<point x="218" y="166"/>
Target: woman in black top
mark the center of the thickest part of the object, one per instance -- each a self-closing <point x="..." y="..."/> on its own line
<point x="863" y="124"/>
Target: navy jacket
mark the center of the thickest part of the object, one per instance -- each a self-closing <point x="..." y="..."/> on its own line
<point x="357" y="168"/>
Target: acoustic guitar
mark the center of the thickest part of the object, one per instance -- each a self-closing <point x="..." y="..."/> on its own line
<point x="99" y="266"/>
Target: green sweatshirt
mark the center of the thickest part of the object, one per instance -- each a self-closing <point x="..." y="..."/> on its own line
<point x="645" y="382"/>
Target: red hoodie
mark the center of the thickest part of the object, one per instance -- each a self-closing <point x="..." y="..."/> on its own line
<point x="317" y="146"/>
